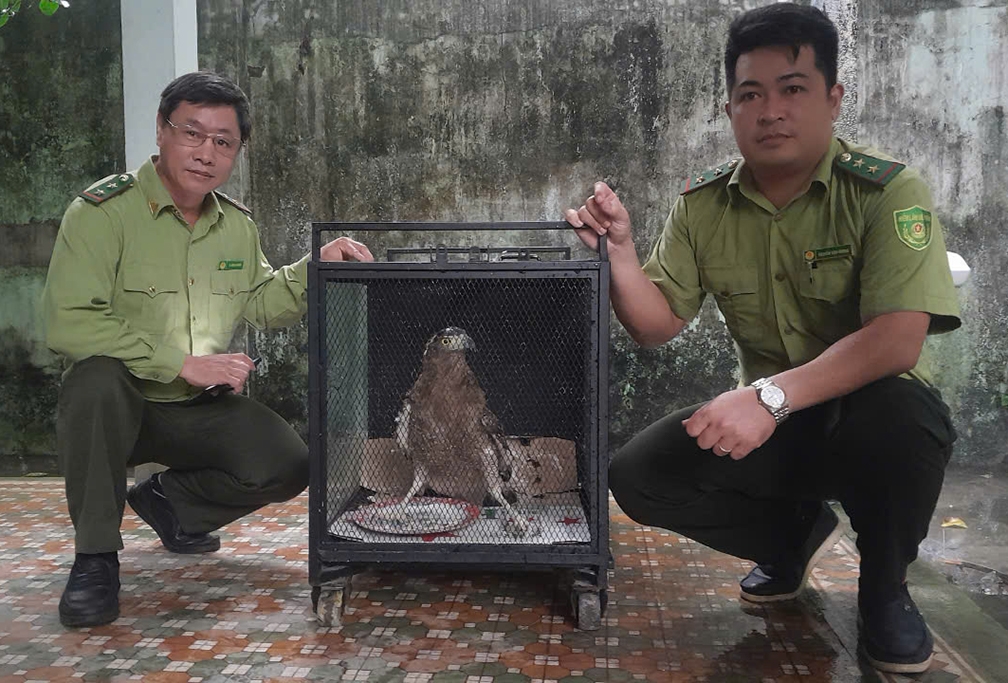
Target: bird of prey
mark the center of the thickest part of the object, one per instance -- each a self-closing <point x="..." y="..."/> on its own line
<point x="454" y="441"/>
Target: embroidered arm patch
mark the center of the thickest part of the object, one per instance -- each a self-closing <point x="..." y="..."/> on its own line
<point x="913" y="227"/>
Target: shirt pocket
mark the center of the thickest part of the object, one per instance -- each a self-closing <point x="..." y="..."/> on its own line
<point x="151" y="299"/>
<point x="736" y="290"/>
<point x="831" y="281"/>
<point x="228" y="297"/>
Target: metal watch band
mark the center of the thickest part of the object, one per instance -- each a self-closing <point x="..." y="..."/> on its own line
<point x="779" y="414"/>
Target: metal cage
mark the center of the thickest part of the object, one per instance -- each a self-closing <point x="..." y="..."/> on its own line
<point x="458" y="412"/>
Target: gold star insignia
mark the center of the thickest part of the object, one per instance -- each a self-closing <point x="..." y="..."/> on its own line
<point x="99" y="192"/>
<point x="858" y="163"/>
<point x="718" y="171"/>
<point x="699" y="178"/>
<point x="733" y="163"/>
<point x="872" y="169"/>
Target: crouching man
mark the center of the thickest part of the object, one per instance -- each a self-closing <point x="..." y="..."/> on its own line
<point x="151" y="272"/>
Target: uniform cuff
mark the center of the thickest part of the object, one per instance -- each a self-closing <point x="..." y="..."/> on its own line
<point x="944" y="312"/>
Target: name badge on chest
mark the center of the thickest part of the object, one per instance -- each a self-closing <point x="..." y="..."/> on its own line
<point x="814" y="256"/>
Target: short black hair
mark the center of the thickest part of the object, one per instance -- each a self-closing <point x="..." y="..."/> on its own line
<point x="787" y="24"/>
<point x="204" y="87"/>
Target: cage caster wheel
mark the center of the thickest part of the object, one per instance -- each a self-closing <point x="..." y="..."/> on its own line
<point x="328" y="604"/>
<point x="588" y="610"/>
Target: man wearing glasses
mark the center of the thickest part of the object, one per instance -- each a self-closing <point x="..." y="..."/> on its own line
<point x="150" y="275"/>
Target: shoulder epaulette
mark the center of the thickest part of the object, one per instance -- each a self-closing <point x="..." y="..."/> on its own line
<point x="707" y="177"/>
<point x="108" y="188"/>
<point x="234" y="202"/>
<point x="874" y="170"/>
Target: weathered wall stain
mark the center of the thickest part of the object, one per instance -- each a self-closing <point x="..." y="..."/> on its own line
<point x="456" y="110"/>
<point x="939" y="100"/>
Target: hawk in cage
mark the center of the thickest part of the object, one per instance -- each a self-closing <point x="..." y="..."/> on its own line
<point x="451" y="437"/>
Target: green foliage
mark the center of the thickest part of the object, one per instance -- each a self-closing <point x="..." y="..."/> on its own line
<point x="8" y="8"/>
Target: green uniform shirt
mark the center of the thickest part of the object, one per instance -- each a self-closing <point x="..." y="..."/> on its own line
<point x="128" y="279"/>
<point x="862" y="241"/>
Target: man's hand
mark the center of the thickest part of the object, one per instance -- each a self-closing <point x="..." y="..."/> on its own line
<point x="222" y="368"/>
<point x="602" y="214"/>
<point x="345" y="249"/>
<point x="732" y="424"/>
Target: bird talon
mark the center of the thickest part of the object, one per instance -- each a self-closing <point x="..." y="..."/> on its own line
<point x="520" y="528"/>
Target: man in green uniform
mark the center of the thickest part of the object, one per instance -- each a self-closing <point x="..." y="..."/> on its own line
<point x="830" y="269"/>
<point x="150" y="275"/>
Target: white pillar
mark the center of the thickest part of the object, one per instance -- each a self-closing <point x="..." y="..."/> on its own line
<point x="158" y="44"/>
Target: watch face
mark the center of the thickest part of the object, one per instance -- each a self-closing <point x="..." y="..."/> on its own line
<point x="773" y="396"/>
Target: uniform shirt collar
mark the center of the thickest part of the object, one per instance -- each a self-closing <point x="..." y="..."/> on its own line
<point x="741" y="181"/>
<point x="159" y="199"/>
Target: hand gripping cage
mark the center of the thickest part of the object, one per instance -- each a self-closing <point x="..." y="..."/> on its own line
<point x="458" y="411"/>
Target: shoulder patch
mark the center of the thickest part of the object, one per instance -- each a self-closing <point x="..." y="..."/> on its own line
<point x="234" y="202"/>
<point x="707" y="177"/>
<point x="875" y="171"/>
<point x="913" y="227"/>
<point x="108" y="188"/>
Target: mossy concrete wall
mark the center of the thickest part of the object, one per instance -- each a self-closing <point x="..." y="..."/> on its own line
<point x="450" y="110"/>
<point x="61" y="128"/>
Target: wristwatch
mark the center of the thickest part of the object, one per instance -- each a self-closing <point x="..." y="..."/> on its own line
<point x="773" y="398"/>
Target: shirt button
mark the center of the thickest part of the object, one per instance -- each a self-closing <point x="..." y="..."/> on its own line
<point x="780" y="277"/>
<point x="151" y="289"/>
<point x="788" y="330"/>
<point x="156" y="375"/>
<point x="778" y="217"/>
<point x="191" y="282"/>
<point x="231" y="290"/>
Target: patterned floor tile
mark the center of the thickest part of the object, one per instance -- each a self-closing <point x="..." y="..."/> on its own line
<point x="244" y="613"/>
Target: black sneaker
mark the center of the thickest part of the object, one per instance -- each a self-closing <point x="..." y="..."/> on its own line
<point x="148" y="500"/>
<point x="91" y="596"/>
<point x="775" y="582"/>
<point x="893" y="636"/>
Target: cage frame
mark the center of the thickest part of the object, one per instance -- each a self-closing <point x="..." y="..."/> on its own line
<point x="331" y="562"/>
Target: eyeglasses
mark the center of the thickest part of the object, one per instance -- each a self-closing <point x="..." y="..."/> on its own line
<point x="190" y="137"/>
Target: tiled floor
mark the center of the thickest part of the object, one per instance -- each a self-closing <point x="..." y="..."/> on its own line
<point x="244" y="614"/>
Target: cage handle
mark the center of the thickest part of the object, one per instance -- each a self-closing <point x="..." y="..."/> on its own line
<point x="319" y="227"/>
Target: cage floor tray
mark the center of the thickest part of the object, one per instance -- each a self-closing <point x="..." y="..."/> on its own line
<point x="419" y="516"/>
<point x="556" y="518"/>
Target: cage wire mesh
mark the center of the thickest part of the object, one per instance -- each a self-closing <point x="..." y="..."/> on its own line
<point x="459" y="407"/>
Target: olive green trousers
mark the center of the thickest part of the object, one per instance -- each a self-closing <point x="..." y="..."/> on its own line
<point x="228" y="455"/>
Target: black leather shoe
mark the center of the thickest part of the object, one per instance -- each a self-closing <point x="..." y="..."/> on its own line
<point x="91" y="596"/>
<point x="893" y="636"/>
<point x="783" y="581"/>
<point x="148" y="500"/>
